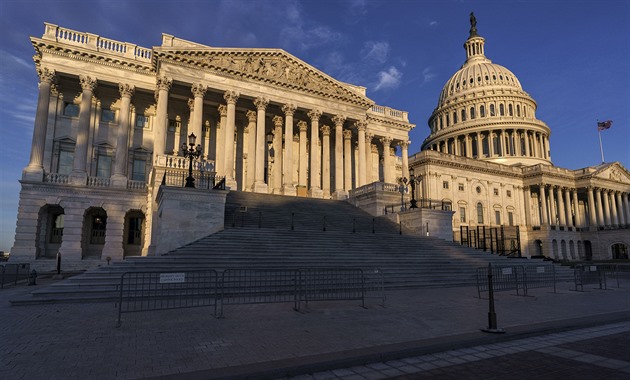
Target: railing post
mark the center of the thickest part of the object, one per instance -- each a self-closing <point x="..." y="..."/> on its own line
<point x="353" y="225"/>
<point x="400" y="227"/>
<point x="324" y="223"/>
<point x="292" y="215"/>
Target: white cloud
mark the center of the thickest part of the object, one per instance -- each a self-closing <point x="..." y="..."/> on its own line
<point x="428" y="75"/>
<point x="376" y="51"/>
<point x="388" y="79"/>
<point x="433" y="24"/>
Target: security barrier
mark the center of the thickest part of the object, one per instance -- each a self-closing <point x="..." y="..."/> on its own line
<point x="13" y="273"/>
<point x="520" y="278"/>
<point x="144" y="291"/>
<point x="539" y="276"/>
<point x="589" y="274"/>
<point x="616" y="271"/>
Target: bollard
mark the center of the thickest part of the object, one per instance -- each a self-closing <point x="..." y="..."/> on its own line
<point x="354" y="230"/>
<point x="492" y="315"/>
<point x="58" y="262"/>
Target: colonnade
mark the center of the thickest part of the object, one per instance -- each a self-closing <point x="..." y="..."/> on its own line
<point x="560" y="206"/>
<point x="499" y="142"/>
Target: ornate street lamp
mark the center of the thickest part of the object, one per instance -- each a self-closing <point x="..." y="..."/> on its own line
<point x="191" y="153"/>
<point x="413" y="180"/>
<point x="402" y="189"/>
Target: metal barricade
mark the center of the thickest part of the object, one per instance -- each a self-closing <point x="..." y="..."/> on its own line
<point x="374" y="280"/>
<point x="145" y="291"/>
<point x="13" y="273"/>
<point x="539" y="276"/>
<point x="504" y="278"/>
<point x="589" y="274"/>
<point x="250" y="286"/>
<point x="616" y="271"/>
<point x="332" y="284"/>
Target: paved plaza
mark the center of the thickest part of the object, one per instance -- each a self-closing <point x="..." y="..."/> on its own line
<point x="420" y="333"/>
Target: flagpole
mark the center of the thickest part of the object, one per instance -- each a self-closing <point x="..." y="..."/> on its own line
<point x="601" y="149"/>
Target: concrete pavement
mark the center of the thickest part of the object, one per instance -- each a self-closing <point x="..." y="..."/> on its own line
<point x="80" y="341"/>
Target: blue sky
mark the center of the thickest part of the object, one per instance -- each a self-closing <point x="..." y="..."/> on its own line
<point x="572" y="57"/>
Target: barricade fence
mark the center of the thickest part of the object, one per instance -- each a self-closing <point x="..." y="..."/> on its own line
<point x="616" y="271"/>
<point x="519" y="278"/>
<point x="589" y="275"/>
<point x="145" y="291"/>
<point x="13" y="273"/>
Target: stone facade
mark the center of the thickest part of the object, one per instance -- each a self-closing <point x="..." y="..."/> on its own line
<point x="112" y="116"/>
<point x="488" y="159"/>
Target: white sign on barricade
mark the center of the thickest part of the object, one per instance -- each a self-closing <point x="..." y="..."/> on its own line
<point x="172" y="278"/>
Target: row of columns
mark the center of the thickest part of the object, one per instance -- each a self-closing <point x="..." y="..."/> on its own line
<point x="560" y="206"/>
<point x="511" y="143"/>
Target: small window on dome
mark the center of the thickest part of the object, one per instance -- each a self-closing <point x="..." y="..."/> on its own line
<point x="478" y="79"/>
<point x="463" y="83"/>
<point x="501" y="109"/>
<point x="471" y="81"/>
<point x="518" y="110"/>
<point x="482" y="111"/>
<point x="501" y="77"/>
<point x="457" y="85"/>
<point x="448" y="120"/>
<point x="486" y="77"/>
<point x="494" y="77"/>
<point x="492" y="113"/>
<point x="463" y="115"/>
<point x="454" y="117"/>
<point x="472" y="112"/>
<point x="510" y="110"/>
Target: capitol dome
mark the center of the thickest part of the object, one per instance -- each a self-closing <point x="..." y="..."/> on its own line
<point x="483" y="113"/>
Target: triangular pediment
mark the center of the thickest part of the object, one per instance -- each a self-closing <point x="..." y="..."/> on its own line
<point x="273" y="66"/>
<point x="613" y="172"/>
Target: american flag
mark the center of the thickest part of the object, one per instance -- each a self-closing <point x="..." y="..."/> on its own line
<point x="602" y="125"/>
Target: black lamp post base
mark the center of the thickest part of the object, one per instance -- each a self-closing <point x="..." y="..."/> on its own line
<point x="413" y="204"/>
<point x="190" y="182"/>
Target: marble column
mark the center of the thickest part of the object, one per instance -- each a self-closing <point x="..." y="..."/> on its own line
<point x="502" y="145"/>
<point x="567" y="208"/>
<point x="119" y="177"/>
<point x="34" y="171"/>
<point x="220" y="143"/>
<point x="302" y="160"/>
<point x="614" y="218"/>
<point x="278" y="121"/>
<point x="388" y="172"/>
<point x="347" y="159"/>
<point x="250" y="177"/>
<point x="606" y="207"/>
<point x="626" y="206"/>
<point x="592" y="212"/>
<point x="315" y="178"/>
<point x="622" y="218"/>
<point x="163" y="85"/>
<point x="543" y="205"/>
<point x="576" y="210"/>
<point x="404" y="146"/>
<point x="287" y="173"/>
<point x="339" y="189"/>
<point x="326" y="161"/>
<point x="230" y="97"/>
<point x="198" y="90"/>
<point x="600" y="208"/>
<point x="79" y="173"/>
<point x="361" y="126"/>
<point x="369" y="167"/>
<point x="561" y="213"/>
<point x="527" y="196"/>
<point x="527" y="144"/>
<point x="259" y="181"/>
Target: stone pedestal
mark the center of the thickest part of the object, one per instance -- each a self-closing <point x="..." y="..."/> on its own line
<point x="118" y="181"/>
<point x="261" y="187"/>
<point x="78" y="178"/>
<point x="316" y="193"/>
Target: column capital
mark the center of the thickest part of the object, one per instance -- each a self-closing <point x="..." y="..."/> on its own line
<point x="222" y="110"/>
<point x="368" y="137"/>
<point x="251" y="116"/>
<point x="261" y="103"/>
<point x="374" y="148"/>
<point x="325" y="130"/>
<point x="338" y="120"/>
<point x="360" y="125"/>
<point x="277" y="121"/>
<point x="163" y="83"/>
<point x="404" y="144"/>
<point x="87" y="83"/>
<point x="314" y="115"/>
<point x="231" y="97"/>
<point x="347" y="134"/>
<point x="387" y="141"/>
<point x="126" y="89"/>
<point x="46" y="75"/>
<point x="289" y="109"/>
<point x="198" y="90"/>
<point x="302" y="126"/>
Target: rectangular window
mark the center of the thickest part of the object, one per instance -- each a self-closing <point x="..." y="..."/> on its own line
<point x="496" y="191"/>
<point x="56" y="232"/>
<point x="510" y="218"/>
<point x="103" y="166"/>
<point x="138" y="172"/>
<point x="142" y="121"/>
<point x="462" y="214"/>
<point x="509" y="193"/>
<point x="66" y="159"/>
<point x="70" y="110"/>
<point x="107" y="115"/>
<point x="447" y="206"/>
<point x="461" y="187"/>
<point x="445" y="185"/>
<point x="497" y="217"/>
<point x="479" y="213"/>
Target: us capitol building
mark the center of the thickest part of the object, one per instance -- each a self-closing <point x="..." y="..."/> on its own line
<point x="112" y="117"/>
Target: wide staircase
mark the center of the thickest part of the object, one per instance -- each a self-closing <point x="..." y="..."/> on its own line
<point x="271" y="231"/>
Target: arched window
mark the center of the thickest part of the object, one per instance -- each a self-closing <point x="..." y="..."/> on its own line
<point x="518" y="110"/>
<point x="492" y="111"/>
<point x="454" y="117"/>
<point x="510" y="110"/>
<point x="472" y="112"/>
<point x="482" y="111"/>
<point x="441" y="125"/>
<point x="448" y="120"/>
<point x="463" y="115"/>
<point x="479" y="213"/>
<point x="501" y="109"/>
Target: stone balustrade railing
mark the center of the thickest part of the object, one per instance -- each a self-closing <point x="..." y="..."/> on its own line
<point x="56" y="178"/>
<point x="374" y="187"/>
<point x="136" y="185"/>
<point x="98" y="182"/>
<point x="96" y="43"/>
<point x="180" y="162"/>
<point x="389" y="112"/>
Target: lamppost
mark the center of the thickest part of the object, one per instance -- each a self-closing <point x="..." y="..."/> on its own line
<point x="413" y="180"/>
<point x="191" y="153"/>
<point x="270" y="150"/>
<point x="402" y="189"/>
